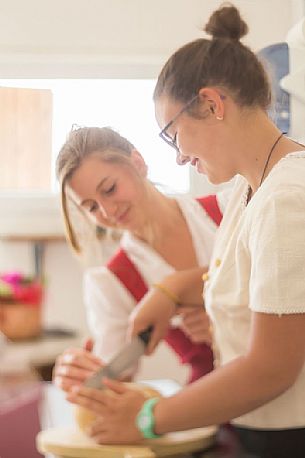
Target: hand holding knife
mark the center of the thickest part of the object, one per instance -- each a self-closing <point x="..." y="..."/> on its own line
<point x="125" y="358"/>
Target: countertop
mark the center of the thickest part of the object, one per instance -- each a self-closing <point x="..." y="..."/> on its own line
<point x="26" y="354"/>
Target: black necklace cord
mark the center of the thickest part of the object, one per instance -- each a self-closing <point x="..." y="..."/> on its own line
<point x="268" y="158"/>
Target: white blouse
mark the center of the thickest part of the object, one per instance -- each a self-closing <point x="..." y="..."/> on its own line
<point x="107" y="301"/>
<point x="259" y="265"/>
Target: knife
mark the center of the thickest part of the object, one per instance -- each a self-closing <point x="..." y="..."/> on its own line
<point x="126" y="357"/>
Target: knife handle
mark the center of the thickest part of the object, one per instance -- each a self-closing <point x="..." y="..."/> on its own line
<point x="145" y="335"/>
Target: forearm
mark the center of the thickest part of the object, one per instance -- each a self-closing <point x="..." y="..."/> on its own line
<point x="220" y="396"/>
<point x="187" y="285"/>
<point x="159" y="305"/>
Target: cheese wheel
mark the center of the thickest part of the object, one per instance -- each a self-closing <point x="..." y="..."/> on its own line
<point x="85" y="417"/>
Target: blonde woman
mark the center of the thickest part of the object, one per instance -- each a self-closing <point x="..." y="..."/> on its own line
<point x="105" y="177"/>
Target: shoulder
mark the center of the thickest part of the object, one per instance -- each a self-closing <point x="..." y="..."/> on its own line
<point x="103" y="290"/>
<point x="289" y="171"/>
<point x="283" y="192"/>
<point x="99" y="276"/>
<point x="283" y="205"/>
<point x="291" y="166"/>
<point x="276" y="218"/>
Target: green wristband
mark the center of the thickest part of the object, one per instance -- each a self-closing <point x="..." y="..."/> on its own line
<point x="145" y="420"/>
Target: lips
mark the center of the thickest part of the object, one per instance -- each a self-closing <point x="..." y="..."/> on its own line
<point x="122" y="217"/>
<point x="196" y="163"/>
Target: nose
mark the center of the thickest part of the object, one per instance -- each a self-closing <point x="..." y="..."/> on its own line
<point x="107" y="209"/>
<point x="181" y="159"/>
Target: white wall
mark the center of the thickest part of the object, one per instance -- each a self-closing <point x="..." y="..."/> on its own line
<point x="102" y="38"/>
<point x="38" y="216"/>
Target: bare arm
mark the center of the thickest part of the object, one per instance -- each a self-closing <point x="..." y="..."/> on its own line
<point x="187" y="285"/>
<point x="274" y="359"/>
<point x="157" y="308"/>
<point x="271" y="365"/>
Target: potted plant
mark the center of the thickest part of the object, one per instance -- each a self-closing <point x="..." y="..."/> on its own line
<point x="20" y="305"/>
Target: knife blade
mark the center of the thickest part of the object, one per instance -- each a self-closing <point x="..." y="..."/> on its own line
<point x="124" y="359"/>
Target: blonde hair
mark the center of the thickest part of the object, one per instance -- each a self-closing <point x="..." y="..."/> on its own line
<point x="81" y="143"/>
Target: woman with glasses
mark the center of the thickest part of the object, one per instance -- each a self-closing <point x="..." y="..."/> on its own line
<point x="211" y="102"/>
<point x="165" y="238"/>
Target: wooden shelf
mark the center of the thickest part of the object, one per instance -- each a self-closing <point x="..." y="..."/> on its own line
<point x="33" y="238"/>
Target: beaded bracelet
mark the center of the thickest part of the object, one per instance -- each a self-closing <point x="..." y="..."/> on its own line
<point x="172" y="296"/>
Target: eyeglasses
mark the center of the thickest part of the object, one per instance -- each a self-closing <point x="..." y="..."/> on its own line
<point x="173" y="141"/>
<point x="165" y="136"/>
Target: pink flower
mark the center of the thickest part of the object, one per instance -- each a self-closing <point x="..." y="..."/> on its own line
<point x="20" y="288"/>
<point x="29" y="294"/>
<point x="12" y="277"/>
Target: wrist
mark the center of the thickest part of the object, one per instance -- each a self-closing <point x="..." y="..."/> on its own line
<point x="145" y="420"/>
<point x="175" y="284"/>
<point x="168" y="293"/>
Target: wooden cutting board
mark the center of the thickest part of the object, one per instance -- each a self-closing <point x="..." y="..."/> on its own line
<point x="70" y="442"/>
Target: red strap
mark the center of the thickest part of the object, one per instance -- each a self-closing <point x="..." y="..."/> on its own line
<point x="122" y="267"/>
<point x="210" y="204"/>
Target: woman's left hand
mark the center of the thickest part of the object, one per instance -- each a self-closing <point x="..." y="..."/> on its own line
<point x="116" y="412"/>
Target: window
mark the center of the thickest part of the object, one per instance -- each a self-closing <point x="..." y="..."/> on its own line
<point x="125" y="105"/>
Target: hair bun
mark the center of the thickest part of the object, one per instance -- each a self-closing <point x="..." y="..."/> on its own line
<point x="226" y="22"/>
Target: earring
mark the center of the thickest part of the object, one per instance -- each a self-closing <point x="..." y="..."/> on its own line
<point x="219" y="118"/>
